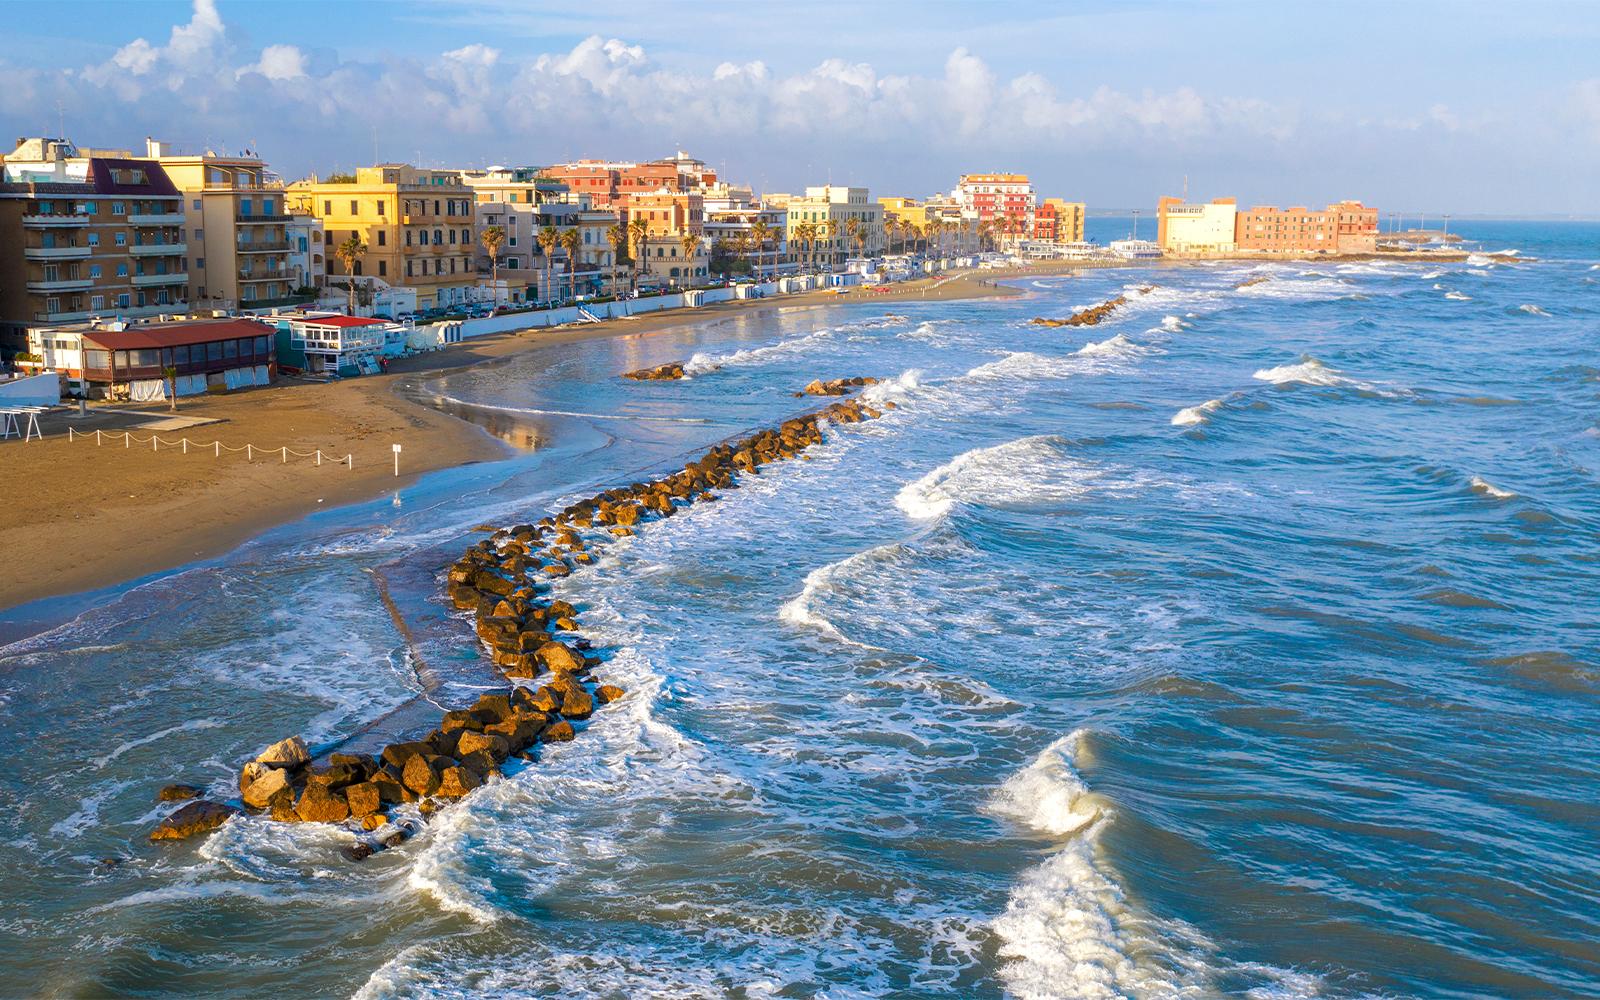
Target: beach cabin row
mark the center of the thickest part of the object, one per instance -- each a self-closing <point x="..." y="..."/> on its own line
<point x="122" y="360"/>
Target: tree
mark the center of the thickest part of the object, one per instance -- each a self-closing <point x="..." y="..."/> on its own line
<point x="760" y="233"/>
<point x="806" y="233"/>
<point x="639" y="231"/>
<point x="493" y="238"/>
<point x="347" y="253"/>
<point x="690" y="242"/>
<point x="852" y="227"/>
<point x="571" y="241"/>
<point x="548" y="237"/>
<point x="171" y="375"/>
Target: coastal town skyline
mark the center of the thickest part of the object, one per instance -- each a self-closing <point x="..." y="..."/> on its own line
<point x="779" y="104"/>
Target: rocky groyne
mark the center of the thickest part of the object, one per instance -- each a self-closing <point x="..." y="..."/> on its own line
<point x="661" y="373"/>
<point x="1094" y="314"/>
<point x="533" y="640"/>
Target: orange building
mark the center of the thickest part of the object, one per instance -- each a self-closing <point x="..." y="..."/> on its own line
<point x="610" y="185"/>
<point x="1348" y="227"/>
<point x="669" y="217"/>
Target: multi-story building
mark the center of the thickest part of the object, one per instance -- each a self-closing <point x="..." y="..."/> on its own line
<point x="610" y="184"/>
<point x="418" y="226"/>
<point x="238" y="250"/>
<point x="1005" y="201"/>
<point x="1206" y="227"/>
<point x="769" y="256"/>
<point x="826" y="214"/>
<point x="86" y="235"/>
<point x="308" y="264"/>
<point x="1348" y="227"/>
<point x="672" y="219"/>
<point x="1059" y="221"/>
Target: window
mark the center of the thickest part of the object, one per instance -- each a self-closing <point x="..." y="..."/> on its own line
<point x="94" y="239"/>
<point x="383" y="238"/>
<point x="246" y="206"/>
<point x="97" y="302"/>
<point x="452" y="265"/>
<point x="266" y="206"/>
<point x="383" y="267"/>
<point x="199" y="263"/>
<point x="466" y="236"/>
<point x="94" y="270"/>
<point x="148" y="358"/>
<point x="408" y="237"/>
<point x="327" y="206"/>
<point x="381" y="204"/>
<point x="355" y="208"/>
<point x="302" y="244"/>
<point x="89" y="208"/>
<point x="120" y="358"/>
<point x="261" y="345"/>
<point x="122" y="301"/>
<point x="117" y="208"/>
<point x="438" y="237"/>
<point x="52" y="305"/>
<point x="408" y="269"/>
<point x="357" y="271"/>
<point x="512" y="263"/>
<point x="450" y="206"/>
<point x="122" y="239"/>
<point x="452" y="236"/>
<point x="199" y="235"/>
<point x="197" y="204"/>
<point x="512" y="241"/>
<point x="230" y="349"/>
<point x="122" y="270"/>
<point x="180" y="355"/>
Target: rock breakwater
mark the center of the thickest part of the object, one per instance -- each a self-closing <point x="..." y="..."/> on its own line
<point x="1094" y="314"/>
<point x="532" y="639"/>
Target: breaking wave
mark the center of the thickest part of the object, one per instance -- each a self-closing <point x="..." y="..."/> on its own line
<point x="1189" y="416"/>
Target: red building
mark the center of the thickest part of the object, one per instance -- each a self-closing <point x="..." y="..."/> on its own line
<point x="1348" y="227"/>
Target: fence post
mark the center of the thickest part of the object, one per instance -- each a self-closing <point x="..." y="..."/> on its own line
<point x="155" y="442"/>
<point x="249" y="453"/>
<point x="285" y="454"/>
<point x="127" y="439"/>
<point x="219" y="448"/>
<point x="97" y="440"/>
<point x="350" y="462"/>
<point x="319" y="456"/>
<point x="186" y="446"/>
<point x="69" y="435"/>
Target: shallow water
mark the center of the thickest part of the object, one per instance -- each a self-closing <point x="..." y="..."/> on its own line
<point x="1242" y="645"/>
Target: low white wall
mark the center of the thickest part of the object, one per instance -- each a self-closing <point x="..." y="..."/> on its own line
<point x="35" y="390"/>
<point x="623" y="307"/>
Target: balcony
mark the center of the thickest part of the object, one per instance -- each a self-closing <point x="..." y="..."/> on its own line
<point x="55" y="221"/>
<point x="249" y="275"/>
<point x="158" y="249"/>
<point x="62" y="285"/>
<point x="280" y="219"/>
<point x="56" y="253"/>
<point x="278" y="246"/>
<point x="147" y="280"/>
<point x="169" y="219"/>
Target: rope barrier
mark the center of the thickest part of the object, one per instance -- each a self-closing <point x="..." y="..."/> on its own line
<point x="217" y="447"/>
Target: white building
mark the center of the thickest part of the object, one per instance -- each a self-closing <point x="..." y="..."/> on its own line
<point x="1211" y="226"/>
<point x="829" y="212"/>
<point x="307" y="260"/>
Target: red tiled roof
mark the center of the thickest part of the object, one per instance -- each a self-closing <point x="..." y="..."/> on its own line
<point x="177" y="334"/>
<point x="339" y="321"/>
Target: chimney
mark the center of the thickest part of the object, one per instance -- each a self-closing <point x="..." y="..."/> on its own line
<point x="155" y="150"/>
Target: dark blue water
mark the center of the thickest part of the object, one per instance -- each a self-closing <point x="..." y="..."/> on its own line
<point x="1242" y="645"/>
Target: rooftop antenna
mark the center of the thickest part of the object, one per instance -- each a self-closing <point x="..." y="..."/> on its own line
<point x="63" y="119"/>
<point x="1185" y="187"/>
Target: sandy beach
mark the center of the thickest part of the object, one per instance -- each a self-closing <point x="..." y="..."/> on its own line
<point x="83" y="516"/>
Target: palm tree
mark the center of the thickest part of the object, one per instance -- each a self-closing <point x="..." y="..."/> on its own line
<point x="690" y="242"/>
<point x="760" y="233"/>
<point x="740" y="244"/>
<point x="618" y="238"/>
<point x="548" y="237"/>
<point x="493" y="237"/>
<point x="807" y="234"/>
<point x="639" y="230"/>
<point x="171" y="375"/>
<point x="571" y="240"/>
<point x="852" y="228"/>
<point x="347" y="253"/>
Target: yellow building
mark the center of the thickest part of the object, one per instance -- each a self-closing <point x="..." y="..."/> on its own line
<point x="828" y="211"/>
<point x="234" y="208"/>
<point x="419" y="228"/>
<point x="1064" y="220"/>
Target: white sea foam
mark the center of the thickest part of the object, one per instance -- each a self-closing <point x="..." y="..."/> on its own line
<point x="1489" y="489"/>
<point x="1192" y="415"/>
<point x="1532" y="310"/>
<point x="897" y="388"/>
<point x="1431" y="275"/>
<point x="802" y="608"/>
<point x="1479" y="260"/>
<point x="87" y="815"/>
<point x="703" y="362"/>
<point x="1025" y="469"/>
<point x="182" y="727"/>
<point x="1173" y="323"/>
<point x="1118" y="346"/>
<point x="1309" y="371"/>
<point x="1458" y="296"/>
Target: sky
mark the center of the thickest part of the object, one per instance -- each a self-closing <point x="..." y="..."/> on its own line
<point x="1433" y="108"/>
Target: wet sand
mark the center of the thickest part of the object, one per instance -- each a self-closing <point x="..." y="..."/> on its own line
<point x="77" y="516"/>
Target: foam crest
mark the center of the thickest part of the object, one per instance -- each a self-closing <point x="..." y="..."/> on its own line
<point x="1487" y="488"/>
<point x="1173" y="323"/>
<point x="1532" y="310"/>
<point x="1118" y="346"/>
<point x="802" y="608"/>
<point x="1017" y="470"/>
<point x="1189" y="416"/>
<point x="1458" y="296"/>
<point x="1309" y="371"/>
<point x="899" y="387"/>
<point x="703" y="362"/>
<point x="1479" y="260"/>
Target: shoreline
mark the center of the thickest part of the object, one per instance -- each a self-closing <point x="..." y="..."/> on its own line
<point x="91" y="517"/>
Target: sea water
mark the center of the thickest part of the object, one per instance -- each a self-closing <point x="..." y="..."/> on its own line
<point x="1242" y="645"/>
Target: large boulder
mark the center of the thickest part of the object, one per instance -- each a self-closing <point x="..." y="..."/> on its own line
<point x="576" y="701"/>
<point x="178" y="793"/>
<point x="605" y="694"/>
<point x="558" y="733"/>
<point x="318" y="804"/>
<point x="336" y="776"/>
<point x="458" y="781"/>
<point x="421" y="774"/>
<point x="396" y="754"/>
<point x="291" y="752"/>
<point x="391" y="787"/>
<point x="560" y="657"/>
<point x="364" y="798"/>
<point x="196" y="817"/>
<point x="260" y="791"/>
<point x="461" y="720"/>
<point x="496" y="746"/>
<point x="481" y="763"/>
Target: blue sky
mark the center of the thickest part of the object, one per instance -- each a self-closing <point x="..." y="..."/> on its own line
<point x="1461" y="108"/>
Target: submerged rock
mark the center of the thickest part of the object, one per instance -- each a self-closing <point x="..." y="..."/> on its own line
<point x="178" y="793"/>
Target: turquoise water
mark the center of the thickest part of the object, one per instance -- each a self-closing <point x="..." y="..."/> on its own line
<point x="1243" y="645"/>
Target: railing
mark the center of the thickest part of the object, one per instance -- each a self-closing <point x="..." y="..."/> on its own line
<point x="56" y="253"/>
<point x="146" y="280"/>
<point x="277" y="246"/>
<point x="169" y="219"/>
<point x="61" y="285"/>
<point x="247" y="274"/>
<point x="158" y="249"/>
<point x="261" y="218"/>
<point x="55" y="221"/>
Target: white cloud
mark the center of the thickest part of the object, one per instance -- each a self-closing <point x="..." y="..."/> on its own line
<point x="278" y="62"/>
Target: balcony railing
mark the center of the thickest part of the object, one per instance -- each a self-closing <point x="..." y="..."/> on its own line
<point x="261" y="218"/>
<point x="169" y="219"/>
<point x="248" y="275"/>
<point x="56" y="253"/>
<point x="62" y="285"/>
<point x="54" y="221"/>
<point x="146" y="280"/>
<point x="278" y="246"/>
<point x="158" y="249"/>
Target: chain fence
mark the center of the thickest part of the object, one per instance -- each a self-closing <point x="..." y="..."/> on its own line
<point x="155" y="441"/>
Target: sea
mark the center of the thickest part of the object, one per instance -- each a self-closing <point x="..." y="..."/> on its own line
<point x="1246" y="644"/>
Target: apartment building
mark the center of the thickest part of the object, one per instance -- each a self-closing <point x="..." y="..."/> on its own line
<point x="827" y="213"/>
<point x="1059" y="221"/>
<point x="670" y="218"/>
<point x="308" y="259"/>
<point x="1203" y="227"/>
<point x="82" y="235"/>
<point x="1006" y="201"/>
<point x="610" y="184"/>
<point x="419" y="228"/>
<point x="1348" y="227"/>
<point x="237" y="246"/>
<point x="770" y="257"/>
